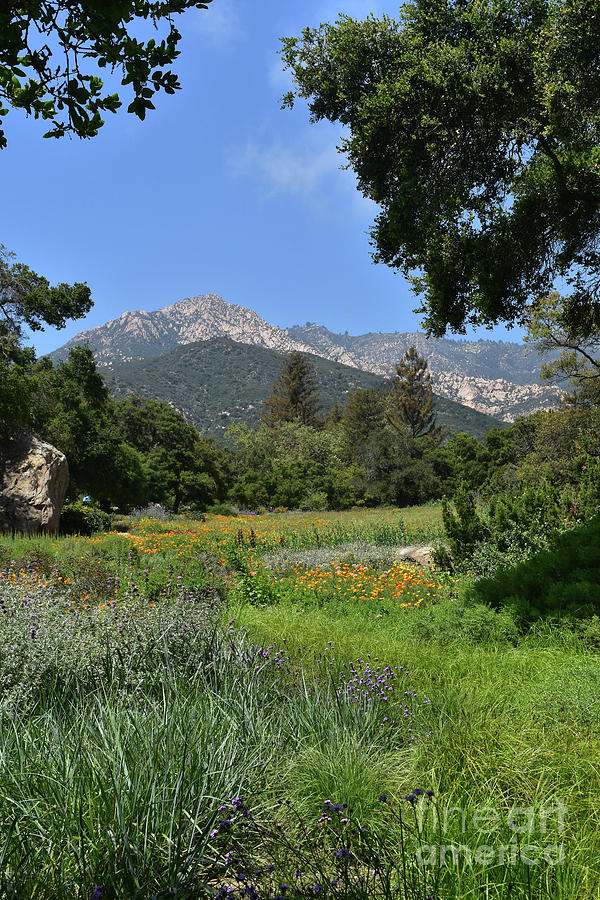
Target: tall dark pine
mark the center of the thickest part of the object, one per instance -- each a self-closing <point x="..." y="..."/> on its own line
<point x="411" y="403"/>
<point x="295" y="396"/>
<point x="363" y="415"/>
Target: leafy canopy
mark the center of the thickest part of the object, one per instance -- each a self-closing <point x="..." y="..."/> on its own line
<point x="476" y="128"/>
<point x="51" y="51"/>
<point x="28" y="300"/>
<point x="555" y="325"/>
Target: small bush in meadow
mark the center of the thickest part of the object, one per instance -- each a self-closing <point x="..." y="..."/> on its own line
<point x="83" y="518"/>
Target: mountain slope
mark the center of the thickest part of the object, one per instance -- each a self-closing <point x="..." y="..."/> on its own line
<point x="220" y="382"/>
<point x="498" y="378"/>
<point x="143" y="335"/>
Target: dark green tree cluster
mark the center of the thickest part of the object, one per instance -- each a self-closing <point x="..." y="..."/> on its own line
<point x="476" y="129"/>
<point x="183" y="468"/>
<point x="380" y="448"/>
<point x="123" y="453"/>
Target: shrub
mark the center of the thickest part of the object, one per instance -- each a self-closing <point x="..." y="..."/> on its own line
<point x="562" y="581"/>
<point x="83" y="518"/>
<point x="464" y="528"/>
<point x="152" y="511"/>
<point x="220" y="509"/>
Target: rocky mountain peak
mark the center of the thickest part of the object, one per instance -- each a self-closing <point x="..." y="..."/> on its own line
<point x="498" y="378"/>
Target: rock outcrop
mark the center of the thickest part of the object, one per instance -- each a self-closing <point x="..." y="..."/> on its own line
<point x="494" y="377"/>
<point x="422" y="556"/>
<point x="34" y="477"/>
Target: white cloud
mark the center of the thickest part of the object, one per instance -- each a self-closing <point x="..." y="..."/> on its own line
<point x="310" y="169"/>
<point x="288" y="169"/>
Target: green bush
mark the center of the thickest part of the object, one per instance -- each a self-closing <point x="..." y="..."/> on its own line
<point x="464" y="528"/>
<point x="220" y="509"/>
<point x="562" y="581"/>
<point x="462" y="621"/>
<point x="83" y="518"/>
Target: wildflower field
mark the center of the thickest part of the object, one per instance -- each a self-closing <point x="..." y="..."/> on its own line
<point x="279" y="706"/>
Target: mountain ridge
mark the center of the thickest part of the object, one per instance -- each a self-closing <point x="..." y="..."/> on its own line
<point x="496" y="378"/>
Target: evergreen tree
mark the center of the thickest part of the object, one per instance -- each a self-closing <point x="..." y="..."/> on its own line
<point x="410" y="403"/>
<point x="294" y="397"/>
<point x="334" y="416"/>
<point x="363" y="414"/>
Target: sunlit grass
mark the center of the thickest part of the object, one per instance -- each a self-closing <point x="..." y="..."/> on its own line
<point x="132" y="705"/>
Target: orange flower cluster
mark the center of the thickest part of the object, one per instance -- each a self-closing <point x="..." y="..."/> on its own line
<point x="219" y="535"/>
<point x="402" y="585"/>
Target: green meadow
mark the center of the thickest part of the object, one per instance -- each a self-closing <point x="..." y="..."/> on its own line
<point x="276" y="706"/>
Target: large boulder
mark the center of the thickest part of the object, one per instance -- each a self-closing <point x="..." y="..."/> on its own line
<point x="422" y="556"/>
<point x="34" y="477"/>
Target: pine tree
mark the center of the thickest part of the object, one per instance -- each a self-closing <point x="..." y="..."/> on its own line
<point x="411" y="404"/>
<point x="295" y="396"/>
<point x="363" y="414"/>
<point x="333" y="417"/>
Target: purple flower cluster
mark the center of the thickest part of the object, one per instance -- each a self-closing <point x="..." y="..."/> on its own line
<point x="324" y="856"/>
<point x="364" y="683"/>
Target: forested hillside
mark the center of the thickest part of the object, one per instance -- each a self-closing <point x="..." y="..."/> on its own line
<point x="220" y="382"/>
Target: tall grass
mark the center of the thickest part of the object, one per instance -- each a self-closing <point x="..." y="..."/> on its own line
<point x="128" y="726"/>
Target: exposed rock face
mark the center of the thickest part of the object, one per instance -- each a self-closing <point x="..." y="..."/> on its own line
<point x="142" y="335"/>
<point x="34" y="477"/>
<point x="423" y="556"/>
<point x="495" y="377"/>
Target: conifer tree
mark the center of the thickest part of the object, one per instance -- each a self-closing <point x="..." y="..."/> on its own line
<point x="411" y="404"/>
<point x="363" y="414"/>
<point x="295" y="396"/>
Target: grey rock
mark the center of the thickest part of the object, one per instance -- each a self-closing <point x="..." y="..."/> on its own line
<point x="422" y="556"/>
<point x="34" y="477"/>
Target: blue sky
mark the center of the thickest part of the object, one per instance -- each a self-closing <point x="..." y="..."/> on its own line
<point x="219" y="190"/>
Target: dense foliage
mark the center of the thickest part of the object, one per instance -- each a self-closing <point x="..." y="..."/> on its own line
<point x="28" y="300"/>
<point x="562" y="581"/>
<point x="475" y="127"/>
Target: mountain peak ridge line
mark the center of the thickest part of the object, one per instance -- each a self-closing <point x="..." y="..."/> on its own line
<point x="499" y="378"/>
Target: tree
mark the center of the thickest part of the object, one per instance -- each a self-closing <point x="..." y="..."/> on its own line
<point x="72" y="409"/>
<point x="294" y="397"/>
<point x="184" y="467"/>
<point x="27" y="300"/>
<point x="476" y="128"/>
<point x="410" y="402"/>
<point x="363" y="414"/>
<point x="555" y="328"/>
<point x="47" y="49"/>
